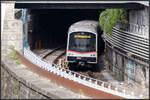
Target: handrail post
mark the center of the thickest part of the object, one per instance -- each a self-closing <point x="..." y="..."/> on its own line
<point x="132" y="93"/>
<point x="124" y="91"/>
<point x="109" y="86"/>
<point x="102" y="84"/>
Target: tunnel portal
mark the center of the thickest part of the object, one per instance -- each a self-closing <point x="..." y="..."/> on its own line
<point x="47" y="28"/>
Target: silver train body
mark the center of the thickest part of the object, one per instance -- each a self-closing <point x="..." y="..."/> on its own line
<point x="82" y="43"/>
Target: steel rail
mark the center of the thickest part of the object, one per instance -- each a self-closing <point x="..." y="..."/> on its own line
<point x="53" y="51"/>
<point x="58" y="57"/>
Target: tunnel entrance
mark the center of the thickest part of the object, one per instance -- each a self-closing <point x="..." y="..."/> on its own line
<point x="47" y="28"/>
<point x="51" y="19"/>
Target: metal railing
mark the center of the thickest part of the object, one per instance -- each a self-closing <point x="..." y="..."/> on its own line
<point x="76" y="77"/>
<point x="139" y="30"/>
<point x="130" y="43"/>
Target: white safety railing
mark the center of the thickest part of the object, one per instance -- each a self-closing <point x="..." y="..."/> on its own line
<point x="76" y="77"/>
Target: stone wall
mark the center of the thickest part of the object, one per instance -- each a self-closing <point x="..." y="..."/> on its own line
<point x="12" y="31"/>
<point x="126" y="69"/>
<point x="140" y="17"/>
<point x="14" y="89"/>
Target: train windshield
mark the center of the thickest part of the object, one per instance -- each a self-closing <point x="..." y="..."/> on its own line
<point x="82" y="42"/>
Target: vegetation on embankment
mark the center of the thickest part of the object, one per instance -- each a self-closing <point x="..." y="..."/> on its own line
<point x="13" y="54"/>
<point x="109" y="17"/>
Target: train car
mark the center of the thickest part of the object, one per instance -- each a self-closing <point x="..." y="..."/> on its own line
<point x="82" y="43"/>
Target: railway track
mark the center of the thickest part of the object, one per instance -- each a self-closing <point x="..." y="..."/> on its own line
<point x="41" y="52"/>
<point x="57" y="56"/>
<point x="54" y="54"/>
<point x="52" y="51"/>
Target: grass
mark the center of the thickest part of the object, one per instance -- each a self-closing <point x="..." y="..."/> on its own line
<point x="13" y="54"/>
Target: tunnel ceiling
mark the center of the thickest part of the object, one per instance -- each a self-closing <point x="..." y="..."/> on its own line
<point x="78" y="4"/>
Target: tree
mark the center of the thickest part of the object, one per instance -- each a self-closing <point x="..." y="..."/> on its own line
<point x="109" y="17"/>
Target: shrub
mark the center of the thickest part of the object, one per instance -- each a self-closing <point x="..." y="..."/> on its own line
<point x="109" y="17"/>
<point x="13" y="54"/>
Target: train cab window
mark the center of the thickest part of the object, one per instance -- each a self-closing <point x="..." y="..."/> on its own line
<point x="82" y="42"/>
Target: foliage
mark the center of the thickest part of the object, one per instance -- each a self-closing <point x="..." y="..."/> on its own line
<point x="13" y="54"/>
<point x="109" y="17"/>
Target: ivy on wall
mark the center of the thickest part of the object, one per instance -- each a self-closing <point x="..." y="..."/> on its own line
<point x="109" y="17"/>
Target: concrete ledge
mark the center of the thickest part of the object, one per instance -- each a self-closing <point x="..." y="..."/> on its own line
<point x="33" y="82"/>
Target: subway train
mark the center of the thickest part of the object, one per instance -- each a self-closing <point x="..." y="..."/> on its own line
<point x="84" y="44"/>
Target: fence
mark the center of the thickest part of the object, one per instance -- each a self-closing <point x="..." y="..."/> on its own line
<point x="130" y="43"/>
<point x="76" y="77"/>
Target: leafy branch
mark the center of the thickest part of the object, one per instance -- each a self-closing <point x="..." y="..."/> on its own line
<point x="109" y="17"/>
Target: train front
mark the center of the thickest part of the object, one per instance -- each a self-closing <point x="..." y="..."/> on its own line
<point x="82" y="48"/>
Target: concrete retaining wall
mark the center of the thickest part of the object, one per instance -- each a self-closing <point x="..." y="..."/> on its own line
<point x="14" y="89"/>
<point x="126" y="69"/>
<point x="26" y="82"/>
<point x="12" y="30"/>
<point x="140" y="17"/>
